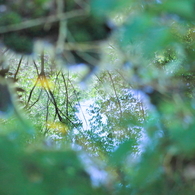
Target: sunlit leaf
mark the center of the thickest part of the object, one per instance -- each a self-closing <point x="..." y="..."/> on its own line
<point x="58" y="127"/>
<point x="44" y="82"/>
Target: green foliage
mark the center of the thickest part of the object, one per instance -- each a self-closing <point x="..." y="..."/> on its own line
<point x="103" y="8"/>
<point x="144" y="91"/>
<point x="10" y="18"/>
<point x="41" y="171"/>
<point x="87" y="30"/>
<point x="19" y="43"/>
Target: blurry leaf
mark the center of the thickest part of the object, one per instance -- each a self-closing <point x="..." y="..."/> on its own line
<point x="124" y="149"/>
<point x="58" y="127"/>
<point x="18" y="43"/>
<point x="6" y="103"/>
<point x="148" y="169"/>
<point x="184" y="139"/>
<point x="180" y="7"/>
<point x="137" y="28"/>
<point x="10" y="18"/>
<point x="157" y="40"/>
<point x="40" y="172"/>
<point x="102" y="8"/>
<point x="44" y="82"/>
<point x="82" y="29"/>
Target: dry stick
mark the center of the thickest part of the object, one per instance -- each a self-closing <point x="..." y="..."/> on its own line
<point x="53" y="100"/>
<point x="62" y="27"/>
<point x="85" y="46"/>
<point x="87" y="57"/>
<point x="36" y="100"/>
<point x="48" y="95"/>
<point x="18" y="68"/>
<point x="42" y="64"/>
<point x="30" y="95"/>
<point x="48" y="87"/>
<point x="57" y="110"/>
<point x="66" y="116"/>
<point x="35" y="65"/>
<point x="68" y="103"/>
<point x="41" y="21"/>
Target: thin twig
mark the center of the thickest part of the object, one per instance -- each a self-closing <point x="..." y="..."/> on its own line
<point x="119" y="104"/>
<point x="18" y="68"/>
<point x="40" y="21"/>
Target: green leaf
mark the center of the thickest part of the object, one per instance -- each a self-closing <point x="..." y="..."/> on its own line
<point x="137" y="28"/>
<point x="158" y="39"/>
<point x="102" y="8"/>
<point x="182" y="8"/>
<point x="124" y="149"/>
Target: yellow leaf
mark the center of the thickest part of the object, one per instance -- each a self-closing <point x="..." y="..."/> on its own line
<point x="58" y="127"/>
<point x="44" y="82"/>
